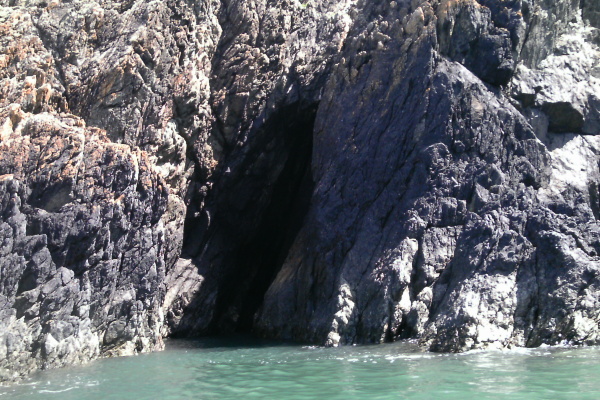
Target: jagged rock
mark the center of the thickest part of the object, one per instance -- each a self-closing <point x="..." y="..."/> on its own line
<point x="84" y="244"/>
<point x="484" y="39"/>
<point x="565" y="85"/>
<point x="333" y="172"/>
<point x="448" y="152"/>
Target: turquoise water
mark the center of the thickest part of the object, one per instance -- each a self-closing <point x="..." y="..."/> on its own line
<point x="217" y="369"/>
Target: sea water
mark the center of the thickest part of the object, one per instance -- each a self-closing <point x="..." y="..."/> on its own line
<point x="249" y="369"/>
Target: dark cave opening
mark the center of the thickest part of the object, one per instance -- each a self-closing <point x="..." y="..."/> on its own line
<point x="255" y="214"/>
<point x="259" y="258"/>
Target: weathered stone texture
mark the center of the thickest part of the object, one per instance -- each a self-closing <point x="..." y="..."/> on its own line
<point x="327" y="171"/>
<point x="83" y="244"/>
<point x="502" y="185"/>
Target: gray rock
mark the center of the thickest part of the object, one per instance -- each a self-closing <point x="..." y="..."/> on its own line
<point x="565" y="85"/>
<point x="333" y="172"/>
<point x="453" y="155"/>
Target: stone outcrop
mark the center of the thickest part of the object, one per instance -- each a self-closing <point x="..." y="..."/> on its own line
<point x="333" y="172"/>
<point x="466" y="216"/>
<point x="84" y="244"/>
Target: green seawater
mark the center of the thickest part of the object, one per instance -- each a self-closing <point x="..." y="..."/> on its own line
<point x="247" y="369"/>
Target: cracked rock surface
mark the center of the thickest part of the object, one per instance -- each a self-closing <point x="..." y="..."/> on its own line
<point x="334" y="172"/>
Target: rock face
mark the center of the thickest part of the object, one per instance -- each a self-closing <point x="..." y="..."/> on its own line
<point x="333" y="172"/>
<point x="465" y="215"/>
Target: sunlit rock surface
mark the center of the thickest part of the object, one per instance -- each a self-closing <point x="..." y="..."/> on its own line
<point x="333" y="172"/>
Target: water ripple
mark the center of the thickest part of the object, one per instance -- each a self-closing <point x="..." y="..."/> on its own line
<point x="212" y="369"/>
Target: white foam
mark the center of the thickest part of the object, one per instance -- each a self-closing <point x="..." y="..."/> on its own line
<point x="58" y="391"/>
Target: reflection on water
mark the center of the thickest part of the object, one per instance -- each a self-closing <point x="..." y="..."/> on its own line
<point x="233" y="369"/>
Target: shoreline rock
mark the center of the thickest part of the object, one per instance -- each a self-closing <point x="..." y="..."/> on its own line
<point x="331" y="172"/>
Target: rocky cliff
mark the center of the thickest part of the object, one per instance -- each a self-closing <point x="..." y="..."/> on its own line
<point x="327" y="171"/>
